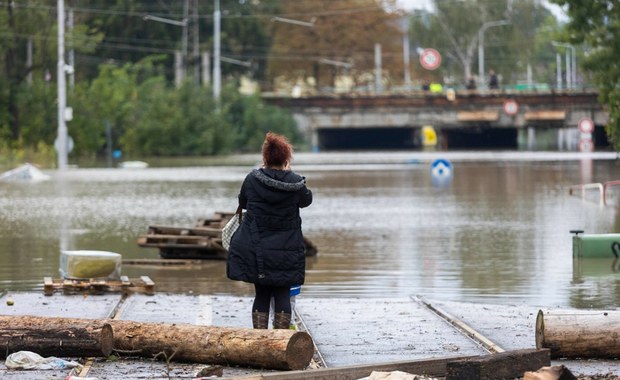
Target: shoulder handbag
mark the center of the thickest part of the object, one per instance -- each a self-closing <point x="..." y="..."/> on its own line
<point x="230" y="228"/>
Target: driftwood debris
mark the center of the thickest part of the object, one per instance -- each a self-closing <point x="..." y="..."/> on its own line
<point x="504" y="365"/>
<point x="556" y="372"/>
<point x="55" y="337"/>
<point x="272" y="349"/>
<point x="75" y="337"/>
<point x="586" y="335"/>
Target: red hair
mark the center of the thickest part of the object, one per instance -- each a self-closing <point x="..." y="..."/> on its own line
<point x="276" y="150"/>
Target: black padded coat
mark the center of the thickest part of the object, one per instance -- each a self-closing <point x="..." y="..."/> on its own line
<point x="268" y="247"/>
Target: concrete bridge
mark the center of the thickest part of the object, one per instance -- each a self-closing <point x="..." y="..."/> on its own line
<point x="461" y="119"/>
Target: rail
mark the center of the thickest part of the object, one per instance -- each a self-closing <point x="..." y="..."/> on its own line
<point x="601" y="187"/>
<point x="606" y="186"/>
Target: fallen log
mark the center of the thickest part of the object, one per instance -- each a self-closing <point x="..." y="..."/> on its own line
<point x="55" y="337"/>
<point x="271" y="349"/>
<point x="586" y="335"/>
<point x="504" y="365"/>
<point x="74" y="337"/>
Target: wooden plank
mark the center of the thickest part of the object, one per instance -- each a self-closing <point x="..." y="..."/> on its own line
<point x="176" y="238"/>
<point x="164" y="262"/>
<point x="545" y="115"/>
<point x="208" y="246"/>
<point x="505" y="365"/>
<point x="149" y="285"/>
<point x="477" y="115"/>
<point x="48" y="286"/>
<point x="430" y="367"/>
<point x="185" y="231"/>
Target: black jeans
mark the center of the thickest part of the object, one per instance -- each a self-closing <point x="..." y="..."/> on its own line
<point x="264" y="294"/>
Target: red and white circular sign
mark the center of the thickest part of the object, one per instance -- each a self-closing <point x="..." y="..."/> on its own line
<point x="430" y="59"/>
<point x="586" y="125"/>
<point x="511" y="107"/>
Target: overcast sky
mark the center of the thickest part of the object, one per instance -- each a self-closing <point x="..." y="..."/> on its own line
<point x="426" y="4"/>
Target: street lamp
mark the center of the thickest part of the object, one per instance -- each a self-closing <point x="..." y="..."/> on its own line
<point x="571" y="68"/>
<point x="295" y="22"/>
<point x="481" y="31"/>
<point x="182" y="23"/>
<point x="346" y="65"/>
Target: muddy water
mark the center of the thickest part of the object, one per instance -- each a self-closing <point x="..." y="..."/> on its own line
<point x="498" y="232"/>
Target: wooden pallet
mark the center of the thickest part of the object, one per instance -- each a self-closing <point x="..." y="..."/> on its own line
<point x="125" y="285"/>
<point x="203" y="241"/>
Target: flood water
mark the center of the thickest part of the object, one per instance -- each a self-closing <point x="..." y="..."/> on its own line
<point x="497" y="233"/>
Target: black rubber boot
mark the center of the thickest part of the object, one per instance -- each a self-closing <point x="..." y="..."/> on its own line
<point x="260" y="320"/>
<point x="282" y="321"/>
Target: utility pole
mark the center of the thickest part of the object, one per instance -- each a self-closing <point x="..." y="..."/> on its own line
<point x="184" y="42"/>
<point x="196" y="50"/>
<point x="378" y="70"/>
<point x="62" y="138"/>
<point x="217" y="72"/>
<point x="71" y="54"/>
<point x="29" y="60"/>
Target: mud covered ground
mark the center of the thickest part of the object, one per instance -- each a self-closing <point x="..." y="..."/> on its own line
<point x="346" y="331"/>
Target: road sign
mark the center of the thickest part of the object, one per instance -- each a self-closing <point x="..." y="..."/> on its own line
<point x="511" y="107"/>
<point x="586" y="145"/>
<point x="586" y="125"/>
<point x="70" y="144"/>
<point x="430" y="59"/>
<point x="441" y="173"/>
<point x="441" y="168"/>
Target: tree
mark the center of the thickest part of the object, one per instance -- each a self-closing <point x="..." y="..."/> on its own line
<point x="595" y="24"/>
<point x="31" y="26"/>
<point x="21" y="24"/>
<point x="344" y="31"/>
<point x="454" y="29"/>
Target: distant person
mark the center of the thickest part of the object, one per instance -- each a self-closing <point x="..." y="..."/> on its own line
<point x="426" y="86"/>
<point x="268" y="249"/>
<point x="493" y="81"/>
<point x="471" y="83"/>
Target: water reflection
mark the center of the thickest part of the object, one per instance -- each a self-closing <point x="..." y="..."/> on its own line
<point x="498" y="233"/>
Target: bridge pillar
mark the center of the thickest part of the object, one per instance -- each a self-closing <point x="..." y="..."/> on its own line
<point x="531" y="138"/>
<point x="314" y="140"/>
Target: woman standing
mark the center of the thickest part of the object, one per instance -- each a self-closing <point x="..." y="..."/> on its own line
<point x="268" y="248"/>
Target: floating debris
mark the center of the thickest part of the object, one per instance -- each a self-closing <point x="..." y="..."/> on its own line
<point x="24" y="173"/>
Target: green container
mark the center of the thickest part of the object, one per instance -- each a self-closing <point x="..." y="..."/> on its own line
<point x="596" y="246"/>
<point x="595" y="267"/>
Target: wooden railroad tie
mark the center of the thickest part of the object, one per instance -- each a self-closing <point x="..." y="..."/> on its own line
<point x="124" y="285"/>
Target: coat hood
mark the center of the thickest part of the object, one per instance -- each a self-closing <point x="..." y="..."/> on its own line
<point x="284" y="180"/>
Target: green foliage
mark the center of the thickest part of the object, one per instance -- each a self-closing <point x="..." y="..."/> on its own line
<point x="595" y="23"/>
<point x="39" y="123"/>
<point x="251" y="118"/>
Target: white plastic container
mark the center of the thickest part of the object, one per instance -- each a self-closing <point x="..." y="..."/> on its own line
<point x="84" y="265"/>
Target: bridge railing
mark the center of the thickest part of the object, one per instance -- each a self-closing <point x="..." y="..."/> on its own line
<point x="605" y="192"/>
